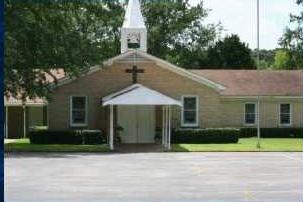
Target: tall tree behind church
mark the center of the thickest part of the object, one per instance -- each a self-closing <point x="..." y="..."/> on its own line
<point x="177" y="31"/>
<point x="292" y="39"/>
<point x="41" y="35"/>
<point x="230" y="53"/>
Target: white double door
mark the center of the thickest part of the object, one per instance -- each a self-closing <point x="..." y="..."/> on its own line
<point x="138" y="123"/>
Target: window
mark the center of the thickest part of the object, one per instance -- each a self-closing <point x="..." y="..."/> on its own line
<point x="250" y="113"/>
<point x="189" y="111"/>
<point x="285" y="114"/>
<point x="78" y="116"/>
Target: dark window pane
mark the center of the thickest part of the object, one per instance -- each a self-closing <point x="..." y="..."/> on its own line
<point x="285" y="108"/>
<point x="190" y="103"/>
<point x="78" y="117"/>
<point x="250" y="118"/>
<point x="285" y="114"/>
<point x="285" y="118"/>
<point x="189" y="117"/>
<point x="79" y="102"/>
<point x="78" y="110"/>
<point x="250" y="115"/>
<point x="250" y="108"/>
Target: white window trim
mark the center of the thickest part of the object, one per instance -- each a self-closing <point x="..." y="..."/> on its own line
<point x="197" y="111"/>
<point x="290" y="115"/>
<point x="244" y="117"/>
<point x="71" y="112"/>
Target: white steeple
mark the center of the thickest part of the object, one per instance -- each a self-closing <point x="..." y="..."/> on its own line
<point x="133" y="31"/>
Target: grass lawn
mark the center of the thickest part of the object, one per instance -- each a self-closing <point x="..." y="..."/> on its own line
<point x="245" y="144"/>
<point x="23" y="145"/>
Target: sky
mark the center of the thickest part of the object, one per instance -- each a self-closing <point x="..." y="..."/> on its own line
<point x="240" y="17"/>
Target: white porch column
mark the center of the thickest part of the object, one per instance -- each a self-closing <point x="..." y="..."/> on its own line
<point x="166" y="126"/>
<point x="6" y="120"/>
<point x="24" y="120"/>
<point x="169" y="131"/>
<point x="111" y="128"/>
<point x="163" y="125"/>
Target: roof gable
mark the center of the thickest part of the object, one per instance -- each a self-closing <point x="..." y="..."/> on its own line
<point x="138" y="94"/>
<point x="226" y="82"/>
<point x="145" y="57"/>
<point x="142" y="57"/>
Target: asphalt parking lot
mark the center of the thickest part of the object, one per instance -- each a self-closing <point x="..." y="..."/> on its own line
<point x="211" y="177"/>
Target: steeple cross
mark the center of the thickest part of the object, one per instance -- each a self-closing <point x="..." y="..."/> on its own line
<point x="134" y="71"/>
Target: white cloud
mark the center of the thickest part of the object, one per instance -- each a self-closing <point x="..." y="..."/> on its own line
<point x="240" y="17"/>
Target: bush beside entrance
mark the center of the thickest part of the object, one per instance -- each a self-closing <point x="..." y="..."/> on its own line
<point x="75" y="137"/>
<point x="206" y="136"/>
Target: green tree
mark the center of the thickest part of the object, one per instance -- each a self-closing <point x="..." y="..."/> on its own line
<point x="177" y="31"/>
<point x="230" y="53"/>
<point x="42" y="35"/>
<point x="283" y="60"/>
<point x="267" y="58"/>
<point x="292" y="39"/>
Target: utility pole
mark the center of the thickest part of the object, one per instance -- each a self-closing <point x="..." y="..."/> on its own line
<point x="259" y="87"/>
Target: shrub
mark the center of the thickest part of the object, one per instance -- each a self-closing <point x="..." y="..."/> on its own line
<point x="273" y="132"/>
<point x="93" y="137"/>
<point x="54" y="137"/>
<point x="66" y="137"/>
<point x="197" y="136"/>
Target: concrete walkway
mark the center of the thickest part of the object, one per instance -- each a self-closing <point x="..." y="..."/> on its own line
<point x="150" y="177"/>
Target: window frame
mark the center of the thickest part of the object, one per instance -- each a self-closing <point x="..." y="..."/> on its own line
<point x="290" y="115"/>
<point x="255" y="122"/>
<point x="183" y="124"/>
<point x="71" y="112"/>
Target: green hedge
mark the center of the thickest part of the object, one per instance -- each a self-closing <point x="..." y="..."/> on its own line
<point x="66" y="137"/>
<point x="272" y="132"/>
<point x="54" y="137"/>
<point x="93" y="137"/>
<point x="207" y="136"/>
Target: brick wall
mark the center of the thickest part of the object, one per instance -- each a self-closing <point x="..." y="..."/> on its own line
<point x="214" y="111"/>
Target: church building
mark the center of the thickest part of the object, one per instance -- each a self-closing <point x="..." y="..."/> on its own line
<point x="146" y="95"/>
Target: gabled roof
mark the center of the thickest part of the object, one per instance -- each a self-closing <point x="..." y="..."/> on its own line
<point x="13" y="101"/>
<point x="287" y="83"/>
<point x="169" y="66"/>
<point x="162" y="63"/>
<point x="254" y="82"/>
<point x="138" y="94"/>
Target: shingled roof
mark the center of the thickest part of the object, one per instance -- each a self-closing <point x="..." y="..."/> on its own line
<point x="253" y="82"/>
<point x="236" y="83"/>
<point x="12" y="101"/>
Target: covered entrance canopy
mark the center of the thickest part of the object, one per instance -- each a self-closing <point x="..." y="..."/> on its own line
<point x="138" y="94"/>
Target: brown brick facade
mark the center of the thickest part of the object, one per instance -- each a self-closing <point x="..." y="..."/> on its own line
<point x="269" y="110"/>
<point x="214" y="110"/>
